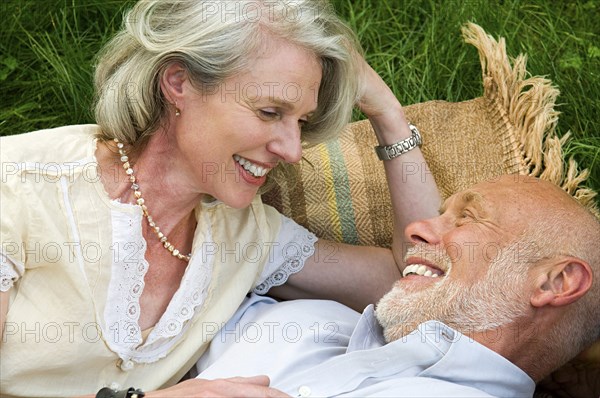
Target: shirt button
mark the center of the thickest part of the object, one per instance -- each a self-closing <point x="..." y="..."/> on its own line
<point x="304" y="391"/>
<point x="115" y="386"/>
<point x="126" y="366"/>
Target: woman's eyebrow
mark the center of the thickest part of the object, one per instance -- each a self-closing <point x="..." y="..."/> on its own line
<point x="287" y="105"/>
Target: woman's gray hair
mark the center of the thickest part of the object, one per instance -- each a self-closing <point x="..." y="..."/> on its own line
<point x="214" y="40"/>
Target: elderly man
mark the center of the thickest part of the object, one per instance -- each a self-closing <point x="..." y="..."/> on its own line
<point x="498" y="291"/>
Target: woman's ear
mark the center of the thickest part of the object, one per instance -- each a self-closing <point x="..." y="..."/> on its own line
<point x="172" y="83"/>
<point x="564" y="281"/>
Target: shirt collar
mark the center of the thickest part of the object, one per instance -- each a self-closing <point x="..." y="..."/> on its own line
<point x="463" y="360"/>
<point x="368" y="333"/>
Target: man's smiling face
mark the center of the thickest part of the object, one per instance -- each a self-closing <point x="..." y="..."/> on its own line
<point x="467" y="267"/>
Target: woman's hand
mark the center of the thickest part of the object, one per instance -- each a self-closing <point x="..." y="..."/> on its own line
<point x="378" y="102"/>
<point x="257" y="386"/>
<point x="375" y="98"/>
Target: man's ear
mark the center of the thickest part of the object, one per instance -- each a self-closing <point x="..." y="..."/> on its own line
<point x="564" y="281"/>
<point x="172" y="83"/>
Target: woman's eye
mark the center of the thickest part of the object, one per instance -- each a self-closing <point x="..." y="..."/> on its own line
<point x="268" y="114"/>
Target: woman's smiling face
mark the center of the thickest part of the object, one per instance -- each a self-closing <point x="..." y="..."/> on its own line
<point x="230" y="137"/>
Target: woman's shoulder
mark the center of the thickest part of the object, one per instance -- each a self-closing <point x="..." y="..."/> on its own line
<point x="256" y="209"/>
<point x="257" y="216"/>
<point x="56" y="145"/>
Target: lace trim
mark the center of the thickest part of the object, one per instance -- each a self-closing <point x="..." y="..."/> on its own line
<point x="127" y="284"/>
<point x="10" y="272"/>
<point x="185" y="302"/>
<point x="122" y="313"/>
<point x="294" y="253"/>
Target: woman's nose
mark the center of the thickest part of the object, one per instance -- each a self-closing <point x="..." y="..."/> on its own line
<point x="287" y="144"/>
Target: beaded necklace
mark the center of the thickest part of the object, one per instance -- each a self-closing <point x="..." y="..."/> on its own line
<point x="141" y="202"/>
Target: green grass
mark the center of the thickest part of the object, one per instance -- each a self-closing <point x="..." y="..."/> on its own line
<point x="47" y="50"/>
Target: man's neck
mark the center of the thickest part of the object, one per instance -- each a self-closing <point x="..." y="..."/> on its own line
<point x="522" y="343"/>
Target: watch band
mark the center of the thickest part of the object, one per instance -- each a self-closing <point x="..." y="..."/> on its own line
<point x="388" y="152"/>
<point x="131" y="392"/>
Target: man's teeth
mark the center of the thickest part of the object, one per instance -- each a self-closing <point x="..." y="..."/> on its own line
<point x="418" y="269"/>
<point x="256" y="171"/>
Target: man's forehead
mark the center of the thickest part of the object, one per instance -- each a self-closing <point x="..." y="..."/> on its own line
<point x="507" y="201"/>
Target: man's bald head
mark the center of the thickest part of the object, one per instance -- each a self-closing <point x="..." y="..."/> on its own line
<point x="552" y="218"/>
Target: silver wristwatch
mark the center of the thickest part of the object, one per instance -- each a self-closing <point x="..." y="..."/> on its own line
<point x="388" y="152"/>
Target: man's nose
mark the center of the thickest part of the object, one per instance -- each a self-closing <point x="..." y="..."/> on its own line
<point x="287" y="143"/>
<point x="424" y="231"/>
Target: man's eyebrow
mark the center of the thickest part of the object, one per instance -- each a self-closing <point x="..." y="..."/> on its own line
<point x="474" y="199"/>
<point x="468" y="197"/>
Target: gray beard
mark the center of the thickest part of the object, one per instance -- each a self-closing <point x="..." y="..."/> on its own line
<point x="495" y="301"/>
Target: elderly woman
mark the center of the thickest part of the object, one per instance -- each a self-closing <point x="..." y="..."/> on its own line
<point x="127" y="244"/>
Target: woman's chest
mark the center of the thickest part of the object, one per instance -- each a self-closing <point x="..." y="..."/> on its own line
<point x="161" y="281"/>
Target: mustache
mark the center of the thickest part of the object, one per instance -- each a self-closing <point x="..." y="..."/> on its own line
<point x="433" y="254"/>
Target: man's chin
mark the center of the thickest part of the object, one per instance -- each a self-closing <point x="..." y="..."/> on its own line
<point x="395" y="314"/>
<point x="408" y="305"/>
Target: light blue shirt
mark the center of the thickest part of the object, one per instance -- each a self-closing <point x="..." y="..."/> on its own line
<point x="323" y="349"/>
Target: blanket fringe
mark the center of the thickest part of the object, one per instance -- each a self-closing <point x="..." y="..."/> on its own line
<point x="528" y="104"/>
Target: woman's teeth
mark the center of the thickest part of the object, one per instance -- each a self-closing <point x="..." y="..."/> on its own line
<point x="255" y="170"/>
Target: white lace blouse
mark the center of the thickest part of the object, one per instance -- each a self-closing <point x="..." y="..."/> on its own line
<point x="73" y="262"/>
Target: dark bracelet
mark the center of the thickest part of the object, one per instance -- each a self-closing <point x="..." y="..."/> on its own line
<point x="129" y="393"/>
